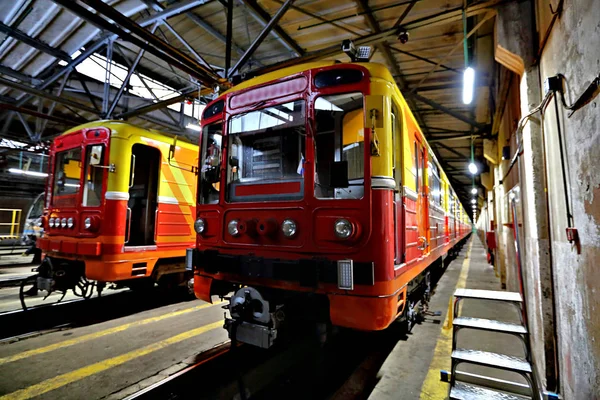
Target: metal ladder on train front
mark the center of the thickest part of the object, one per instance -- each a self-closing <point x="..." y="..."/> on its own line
<point x="468" y="386"/>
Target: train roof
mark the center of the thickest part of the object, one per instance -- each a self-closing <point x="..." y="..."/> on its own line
<point x="375" y="69"/>
<point x="133" y="129"/>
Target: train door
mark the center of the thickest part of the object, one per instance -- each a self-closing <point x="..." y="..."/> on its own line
<point x="143" y="195"/>
<point x="399" y="242"/>
<point x="422" y="209"/>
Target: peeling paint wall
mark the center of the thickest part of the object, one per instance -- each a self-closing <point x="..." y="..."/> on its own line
<point x="573" y="49"/>
<point x="562" y="281"/>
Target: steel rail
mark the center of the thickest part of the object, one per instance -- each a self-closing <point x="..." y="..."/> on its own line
<point x="209" y="355"/>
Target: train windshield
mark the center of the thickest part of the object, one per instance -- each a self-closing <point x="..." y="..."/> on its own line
<point x="266" y="154"/>
<point x="67" y="177"/>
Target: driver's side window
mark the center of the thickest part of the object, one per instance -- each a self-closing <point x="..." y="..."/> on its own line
<point x="210" y="164"/>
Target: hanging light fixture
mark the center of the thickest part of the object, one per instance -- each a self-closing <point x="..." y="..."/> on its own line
<point x="473" y="168"/>
<point x="474" y="190"/>
<point x="468" y="84"/>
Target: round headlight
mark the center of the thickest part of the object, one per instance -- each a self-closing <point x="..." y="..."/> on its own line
<point x="200" y="225"/>
<point x="288" y="227"/>
<point x="343" y="228"/>
<point x="232" y="228"/>
<point x="51" y="222"/>
<point x="87" y="223"/>
<point x="70" y="222"/>
<point x="63" y="223"/>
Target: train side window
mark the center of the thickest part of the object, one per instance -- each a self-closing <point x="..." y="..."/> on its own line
<point x="417" y="166"/>
<point x="435" y="186"/>
<point x="339" y="139"/>
<point x="397" y="143"/>
<point x="92" y="189"/>
<point x="209" y="178"/>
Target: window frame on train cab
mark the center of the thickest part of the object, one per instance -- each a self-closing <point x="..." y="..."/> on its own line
<point x="290" y="173"/>
<point x="339" y="149"/>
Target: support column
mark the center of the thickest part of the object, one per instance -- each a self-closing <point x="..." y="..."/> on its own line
<point x="516" y="49"/>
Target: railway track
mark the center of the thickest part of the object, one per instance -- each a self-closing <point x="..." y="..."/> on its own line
<point x="345" y="367"/>
<point x="18" y="324"/>
<point x="300" y="369"/>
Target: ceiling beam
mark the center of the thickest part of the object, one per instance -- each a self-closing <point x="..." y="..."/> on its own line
<point x="451" y="150"/>
<point x="18" y="75"/>
<point x="158" y="105"/>
<point x="271" y="25"/>
<point x="154" y="46"/>
<point x="45" y="95"/>
<point x="176" y="9"/>
<point x="445" y="17"/>
<point x="33" y="113"/>
<point x="204" y="69"/>
<point x="446" y="110"/>
<point x="35" y="43"/>
<point x="427" y="60"/>
<point x="263" y="17"/>
<point x="453" y="137"/>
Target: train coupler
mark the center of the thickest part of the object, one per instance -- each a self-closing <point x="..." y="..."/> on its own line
<point x="252" y="321"/>
<point x="252" y="334"/>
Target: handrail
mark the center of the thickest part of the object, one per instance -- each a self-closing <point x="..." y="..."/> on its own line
<point x="15" y="224"/>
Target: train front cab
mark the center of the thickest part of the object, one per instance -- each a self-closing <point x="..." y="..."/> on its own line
<point x="117" y="205"/>
<point x="313" y="179"/>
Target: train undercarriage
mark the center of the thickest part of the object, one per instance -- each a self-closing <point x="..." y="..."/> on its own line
<point x="55" y="277"/>
<point x="260" y="316"/>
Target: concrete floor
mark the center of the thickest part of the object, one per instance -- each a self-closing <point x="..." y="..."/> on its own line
<point x="115" y="358"/>
<point x="110" y="358"/>
<point x="411" y="371"/>
<point x="15" y="268"/>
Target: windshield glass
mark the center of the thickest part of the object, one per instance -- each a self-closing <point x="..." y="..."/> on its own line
<point x="67" y="175"/>
<point x="266" y="154"/>
<point x="339" y="146"/>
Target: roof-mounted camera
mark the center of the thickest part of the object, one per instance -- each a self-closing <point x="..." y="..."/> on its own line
<point x="357" y="54"/>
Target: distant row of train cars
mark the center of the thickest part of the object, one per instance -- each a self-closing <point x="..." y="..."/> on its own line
<point x="313" y="189"/>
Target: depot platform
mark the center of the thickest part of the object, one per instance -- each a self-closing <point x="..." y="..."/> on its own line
<point x="412" y="369"/>
<point x="116" y="358"/>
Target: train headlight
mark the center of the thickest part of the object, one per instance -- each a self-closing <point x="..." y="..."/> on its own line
<point x="343" y="228"/>
<point x="233" y="227"/>
<point x="92" y="223"/>
<point x="51" y="222"/>
<point x="63" y="223"/>
<point x="200" y="226"/>
<point x="70" y="223"/>
<point x="288" y="227"/>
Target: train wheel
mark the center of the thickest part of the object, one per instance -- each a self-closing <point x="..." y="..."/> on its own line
<point x="31" y="296"/>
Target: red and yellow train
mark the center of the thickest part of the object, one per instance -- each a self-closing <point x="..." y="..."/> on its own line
<point x="119" y="207"/>
<point x="316" y="184"/>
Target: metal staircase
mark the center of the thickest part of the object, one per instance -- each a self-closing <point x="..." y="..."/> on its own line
<point x="467" y="386"/>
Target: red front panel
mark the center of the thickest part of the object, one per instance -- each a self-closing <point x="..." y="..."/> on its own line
<point x="171" y="220"/>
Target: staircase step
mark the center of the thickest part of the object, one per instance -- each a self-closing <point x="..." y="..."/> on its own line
<point x="489" y="325"/>
<point x="463" y="391"/>
<point x="514" y="297"/>
<point x="495" y="360"/>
